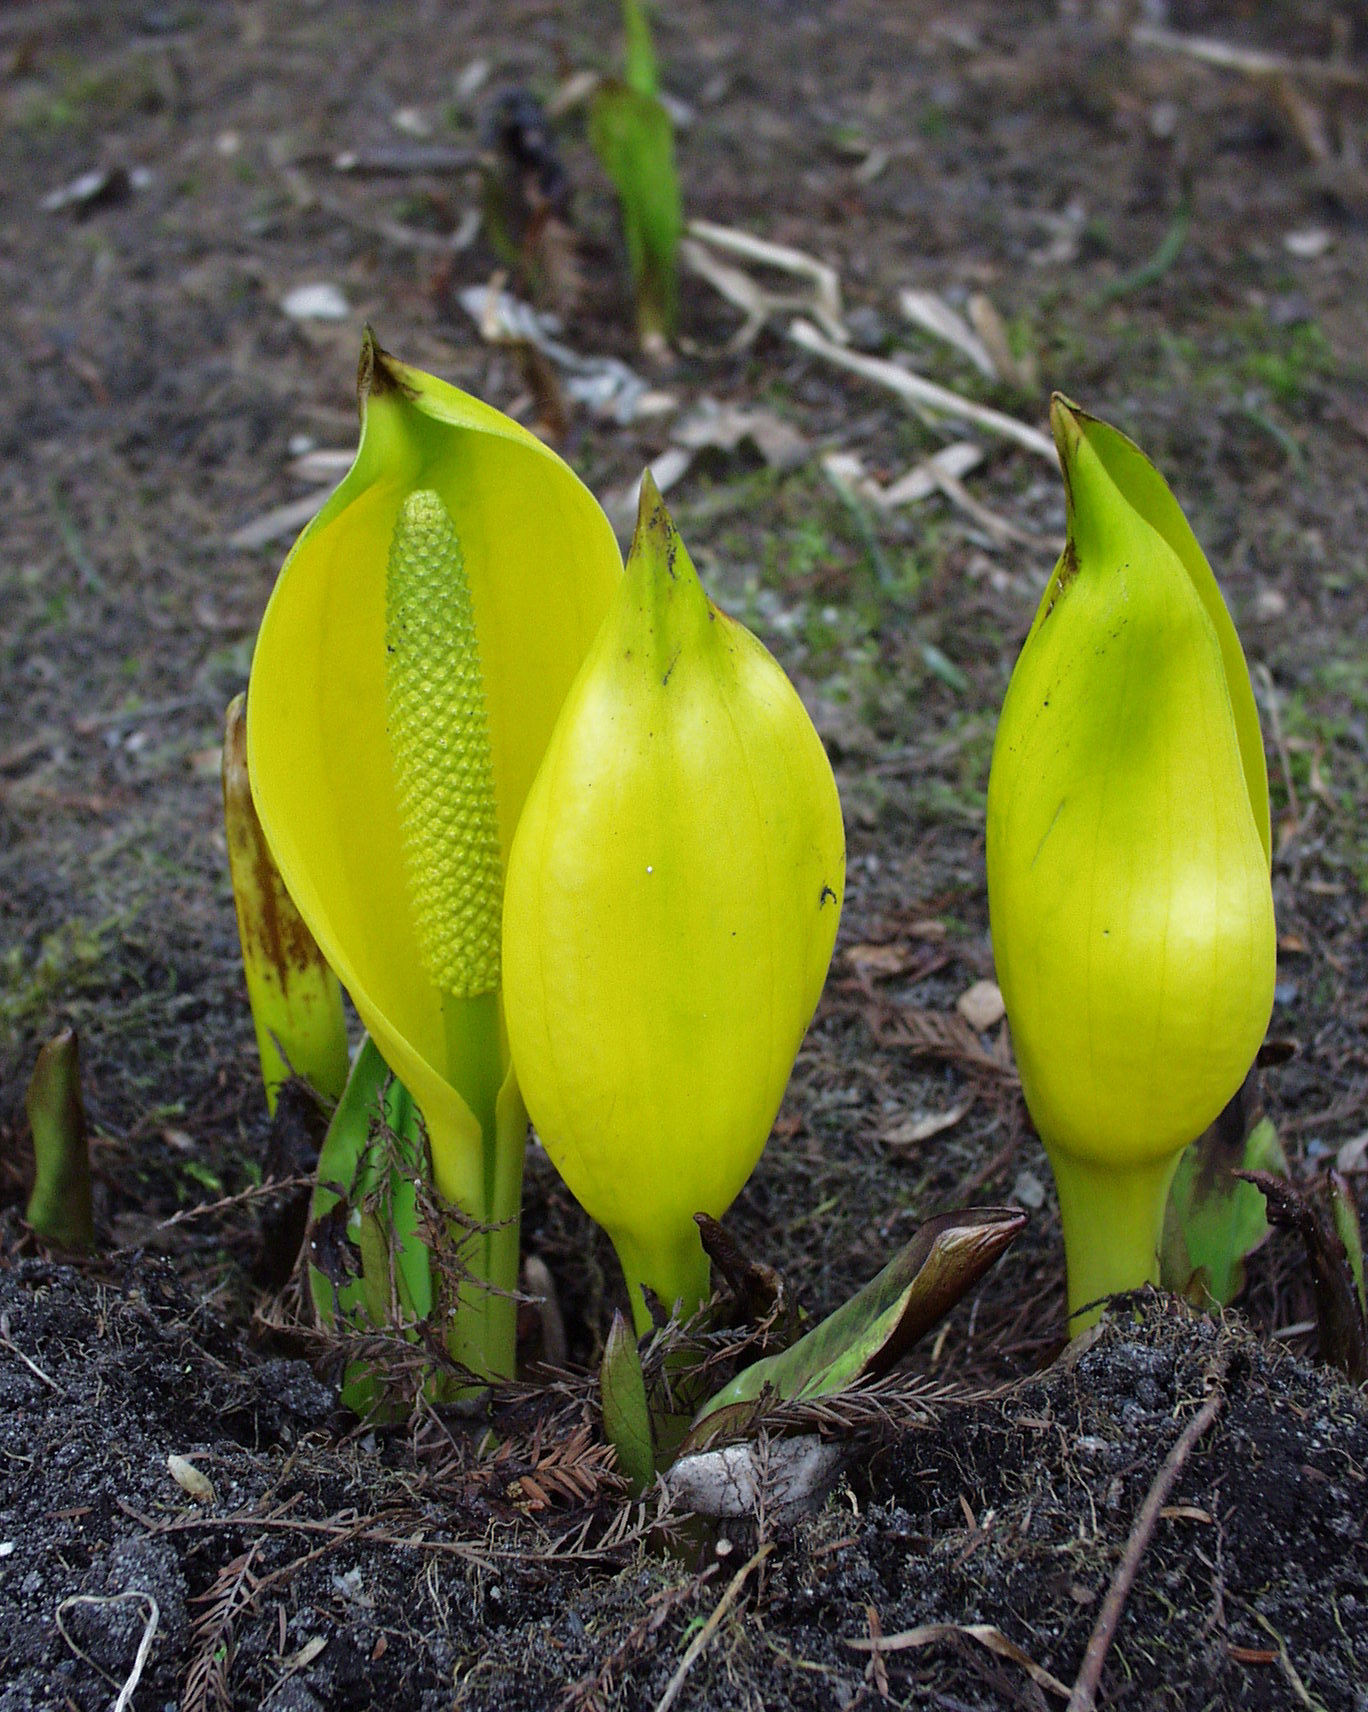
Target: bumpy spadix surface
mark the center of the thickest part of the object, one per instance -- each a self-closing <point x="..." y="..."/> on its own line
<point x="439" y="735"/>
<point x="1127" y="837"/>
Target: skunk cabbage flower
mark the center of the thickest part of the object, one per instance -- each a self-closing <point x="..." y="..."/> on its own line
<point x="671" y="905"/>
<point x="1128" y="857"/>
<point x="410" y="666"/>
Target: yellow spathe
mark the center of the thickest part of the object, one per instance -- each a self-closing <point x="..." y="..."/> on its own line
<point x="671" y="904"/>
<point x="1128" y="856"/>
<point x="542" y="566"/>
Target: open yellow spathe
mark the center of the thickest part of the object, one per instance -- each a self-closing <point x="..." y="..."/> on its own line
<point x="541" y="565"/>
<point x="671" y="905"/>
<point x="1128" y="857"/>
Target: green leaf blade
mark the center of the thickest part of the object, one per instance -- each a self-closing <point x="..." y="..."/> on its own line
<point x="867" y="1335"/>
<point x="59" y="1207"/>
<point x="633" y="138"/>
<point x="626" y="1414"/>
<point x="1214" y="1221"/>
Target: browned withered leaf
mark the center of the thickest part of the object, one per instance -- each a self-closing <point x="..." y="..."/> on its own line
<point x="1340" y="1320"/>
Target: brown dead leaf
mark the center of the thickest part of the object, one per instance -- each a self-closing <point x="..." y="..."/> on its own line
<point x="913" y="1130"/>
<point x="879" y="959"/>
<point x="724" y="427"/>
<point x="981" y="1006"/>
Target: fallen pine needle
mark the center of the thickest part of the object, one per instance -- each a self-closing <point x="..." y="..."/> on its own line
<point x="709" y="1629"/>
<point x="1084" y="1696"/>
<point x="927" y="1634"/>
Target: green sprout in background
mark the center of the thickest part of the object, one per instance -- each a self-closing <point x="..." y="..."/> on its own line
<point x="633" y="136"/>
<point x="59" y="1207"/>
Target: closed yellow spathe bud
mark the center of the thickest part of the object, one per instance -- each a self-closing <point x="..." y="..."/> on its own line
<point x="1128" y="858"/>
<point x="671" y="904"/>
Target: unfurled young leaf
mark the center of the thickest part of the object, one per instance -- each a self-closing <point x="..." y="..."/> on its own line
<point x="1344" y="1211"/>
<point x="639" y="68"/>
<point x="632" y="135"/>
<point x="870" y="1333"/>
<point x="59" y="1206"/>
<point x="1215" y="1220"/>
<point x="626" y="1415"/>
<point x="368" y="1261"/>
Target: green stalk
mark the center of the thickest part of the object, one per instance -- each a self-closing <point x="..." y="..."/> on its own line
<point x="678" y="1275"/>
<point x="1113" y="1223"/>
<point x="59" y="1206"/>
<point x="486" y="1321"/>
<point x="505" y="1236"/>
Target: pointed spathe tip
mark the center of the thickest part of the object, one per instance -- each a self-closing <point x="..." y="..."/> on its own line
<point x="655" y="538"/>
<point x="377" y="372"/>
<point x="661" y="583"/>
<point x="651" y="512"/>
<point x="1066" y="424"/>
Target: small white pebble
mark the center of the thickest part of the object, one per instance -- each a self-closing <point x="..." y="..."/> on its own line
<point x="320" y="302"/>
<point x="190" y="1479"/>
<point x="1307" y="244"/>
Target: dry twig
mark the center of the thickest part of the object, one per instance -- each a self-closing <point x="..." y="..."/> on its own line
<point x="1253" y="63"/>
<point x="709" y="1629"/>
<point x="992" y="1639"/>
<point x="1084" y="1696"/>
<point x="7" y="1342"/>
<point x="125" y="1696"/>
<point x="920" y="393"/>
<point x="825" y="307"/>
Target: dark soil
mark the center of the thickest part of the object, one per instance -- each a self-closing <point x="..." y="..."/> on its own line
<point x="157" y="398"/>
<point x="410" y="1573"/>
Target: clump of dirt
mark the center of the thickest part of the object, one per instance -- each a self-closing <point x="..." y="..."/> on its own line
<point x="440" y="1567"/>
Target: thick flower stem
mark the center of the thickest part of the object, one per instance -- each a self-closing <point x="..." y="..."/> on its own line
<point x="1113" y="1219"/>
<point x="483" y="1336"/>
<point x="502" y="1242"/>
<point x="678" y="1275"/>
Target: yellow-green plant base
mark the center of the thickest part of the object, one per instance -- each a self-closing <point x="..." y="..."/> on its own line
<point x="1113" y="1219"/>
